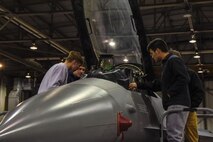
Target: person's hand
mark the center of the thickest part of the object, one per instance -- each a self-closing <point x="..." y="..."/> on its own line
<point x="133" y="86"/>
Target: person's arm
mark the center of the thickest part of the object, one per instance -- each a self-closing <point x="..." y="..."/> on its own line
<point x="154" y="85"/>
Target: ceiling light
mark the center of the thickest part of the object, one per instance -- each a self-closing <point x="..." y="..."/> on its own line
<point x="200" y="70"/>
<point x="197" y="56"/>
<point x="112" y="43"/>
<point x="187" y="15"/>
<point x="200" y="64"/>
<point x="192" y="41"/>
<point x="106" y="41"/>
<point x="33" y="47"/>
<point x="1" y="65"/>
<point x="125" y="59"/>
<point x="192" y="30"/>
<point x="28" y="75"/>
<point x="93" y="20"/>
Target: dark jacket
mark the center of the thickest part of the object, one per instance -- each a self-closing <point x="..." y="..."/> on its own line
<point x="195" y="88"/>
<point x="175" y="81"/>
<point x="71" y="77"/>
<point x="154" y="85"/>
<point x="173" y="84"/>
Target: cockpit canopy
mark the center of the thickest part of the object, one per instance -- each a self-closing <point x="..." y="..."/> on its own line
<point x="112" y="30"/>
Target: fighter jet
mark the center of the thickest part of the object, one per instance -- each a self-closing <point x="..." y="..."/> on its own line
<point x="99" y="107"/>
<point x="86" y="110"/>
<point x="91" y="109"/>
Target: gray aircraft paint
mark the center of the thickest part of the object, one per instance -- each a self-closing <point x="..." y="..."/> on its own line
<point x="85" y="110"/>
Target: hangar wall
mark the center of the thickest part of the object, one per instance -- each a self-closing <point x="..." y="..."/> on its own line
<point x="2" y="94"/>
<point x="209" y="100"/>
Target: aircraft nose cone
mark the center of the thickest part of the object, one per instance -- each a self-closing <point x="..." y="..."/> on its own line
<point x="67" y="114"/>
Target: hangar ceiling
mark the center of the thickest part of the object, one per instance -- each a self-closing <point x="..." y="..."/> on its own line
<point x="51" y="25"/>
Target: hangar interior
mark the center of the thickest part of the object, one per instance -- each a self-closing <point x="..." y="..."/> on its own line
<point x="50" y="25"/>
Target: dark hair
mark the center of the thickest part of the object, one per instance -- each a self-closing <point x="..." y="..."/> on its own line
<point x="157" y="43"/>
<point x="84" y="64"/>
<point x="74" y="55"/>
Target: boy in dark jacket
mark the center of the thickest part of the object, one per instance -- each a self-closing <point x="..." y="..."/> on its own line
<point x="76" y="75"/>
<point x="174" y="87"/>
<point x="197" y="93"/>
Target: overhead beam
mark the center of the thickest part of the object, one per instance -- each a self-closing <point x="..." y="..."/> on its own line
<point x="178" y="33"/>
<point x="32" y="64"/>
<point x="22" y="14"/>
<point x="32" y="30"/>
<point x="5" y="24"/>
<point x="182" y="53"/>
<point x="193" y="52"/>
<point x="208" y="68"/>
<point x="177" y="4"/>
<point x="40" y="39"/>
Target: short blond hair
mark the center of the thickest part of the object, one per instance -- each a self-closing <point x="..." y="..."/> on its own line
<point x="74" y="55"/>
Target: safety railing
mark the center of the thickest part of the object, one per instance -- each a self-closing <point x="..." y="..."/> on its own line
<point x="184" y="109"/>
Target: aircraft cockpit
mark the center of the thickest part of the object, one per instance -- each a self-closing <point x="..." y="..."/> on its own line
<point x="121" y="74"/>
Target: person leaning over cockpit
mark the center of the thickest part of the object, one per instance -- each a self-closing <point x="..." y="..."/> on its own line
<point x="174" y="85"/>
<point x="57" y="75"/>
<point x="197" y="93"/>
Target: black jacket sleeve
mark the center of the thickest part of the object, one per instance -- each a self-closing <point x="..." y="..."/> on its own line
<point x="154" y="85"/>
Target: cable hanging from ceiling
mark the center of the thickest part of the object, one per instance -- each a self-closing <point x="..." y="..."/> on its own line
<point x="193" y="39"/>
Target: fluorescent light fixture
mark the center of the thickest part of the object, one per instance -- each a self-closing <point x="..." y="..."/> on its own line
<point x="200" y="71"/>
<point x="125" y="59"/>
<point x="28" y="75"/>
<point x="187" y="15"/>
<point x="112" y="43"/>
<point x="33" y="47"/>
<point x="106" y="41"/>
<point x="192" y="41"/>
<point x="93" y="20"/>
<point x="197" y="56"/>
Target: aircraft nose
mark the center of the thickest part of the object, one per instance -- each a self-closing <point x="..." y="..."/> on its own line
<point x="67" y="114"/>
